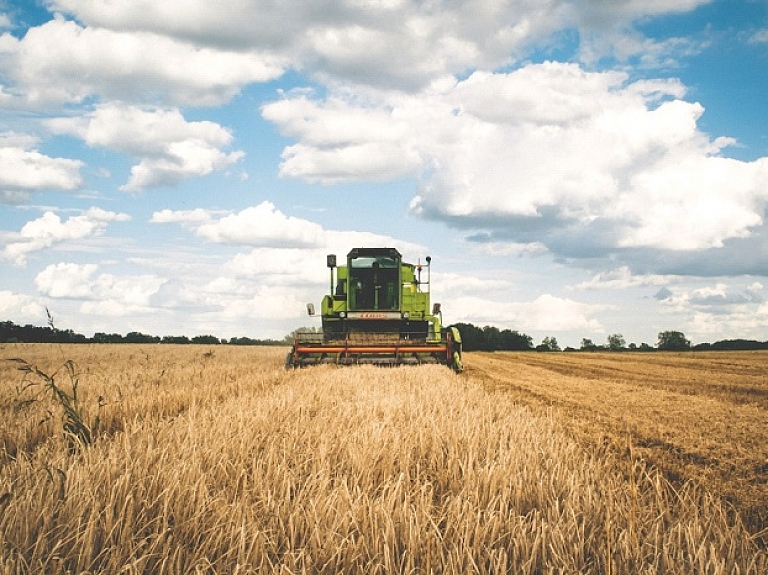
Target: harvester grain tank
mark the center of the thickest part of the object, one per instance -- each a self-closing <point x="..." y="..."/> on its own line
<point x="378" y="312"/>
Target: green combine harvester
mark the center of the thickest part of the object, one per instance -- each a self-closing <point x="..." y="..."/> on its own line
<point x="378" y="312"/>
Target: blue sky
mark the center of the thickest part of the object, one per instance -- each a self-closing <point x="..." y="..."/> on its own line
<point x="574" y="168"/>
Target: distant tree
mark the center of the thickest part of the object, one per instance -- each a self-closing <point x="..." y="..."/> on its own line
<point x="138" y="337"/>
<point x="177" y="339"/>
<point x="616" y="342"/>
<point x="515" y="341"/>
<point x="587" y="344"/>
<point x="740" y="344"/>
<point x="492" y="337"/>
<point x="101" y="337"/>
<point x="247" y="341"/>
<point x="673" y="341"/>
<point x="548" y="344"/>
<point x="206" y="339"/>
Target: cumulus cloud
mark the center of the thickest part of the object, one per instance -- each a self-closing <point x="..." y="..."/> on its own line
<point x="760" y="37"/>
<point x="262" y="225"/>
<point x="719" y="298"/>
<point x="49" y="229"/>
<point x="265" y="226"/>
<point x="723" y="310"/>
<point x="261" y="302"/>
<point x="545" y="313"/>
<point x="20" y="308"/>
<point x="104" y="294"/>
<point x="548" y="153"/>
<point x="196" y="216"/>
<point x="404" y="44"/>
<point x="63" y="62"/>
<point x="26" y="170"/>
<point x="65" y="280"/>
<point x="170" y="149"/>
<point x="486" y="246"/>
<point x="342" y="143"/>
<point x="622" y="278"/>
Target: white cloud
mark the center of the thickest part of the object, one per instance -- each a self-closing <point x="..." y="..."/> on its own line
<point x="65" y="280"/>
<point x="63" y="62"/>
<point x="718" y="295"/>
<point x="760" y="37"/>
<point x="755" y="291"/>
<point x="622" y="278"/>
<point x="511" y="249"/>
<point x="263" y="225"/>
<point x="25" y="170"/>
<point x="404" y="44"/>
<point x="739" y="309"/>
<point x="343" y="143"/>
<point x="599" y="13"/>
<point x="104" y="294"/>
<point x="196" y="216"/>
<point x="170" y="149"/>
<point x="545" y="313"/>
<point x="49" y="229"/>
<point x="20" y="308"/>
<point x="262" y="302"/>
<point x="280" y="266"/>
<point x="459" y="284"/>
<point x="585" y="149"/>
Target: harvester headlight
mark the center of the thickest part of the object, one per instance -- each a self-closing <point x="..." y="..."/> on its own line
<point x="406" y="315"/>
<point x="342" y="314"/>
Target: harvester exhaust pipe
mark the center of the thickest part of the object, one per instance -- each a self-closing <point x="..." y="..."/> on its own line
<point x="331" y="262"/>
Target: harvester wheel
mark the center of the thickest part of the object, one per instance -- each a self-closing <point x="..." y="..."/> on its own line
<point x="289" y="360"/>
<point x="458" y="366"/>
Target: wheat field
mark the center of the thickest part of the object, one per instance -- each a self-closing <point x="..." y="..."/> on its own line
<point x="195" y="459"/>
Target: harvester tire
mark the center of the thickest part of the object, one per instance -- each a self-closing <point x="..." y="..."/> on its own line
<point x="458" y="366"/>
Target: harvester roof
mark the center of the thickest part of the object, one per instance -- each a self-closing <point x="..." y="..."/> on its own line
<point x="374" y="252"/>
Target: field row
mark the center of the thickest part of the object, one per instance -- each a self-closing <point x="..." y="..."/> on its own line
<point x="695" y="416"/>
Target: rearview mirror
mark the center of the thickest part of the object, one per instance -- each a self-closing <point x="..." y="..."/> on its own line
<point x="311" y="309"/>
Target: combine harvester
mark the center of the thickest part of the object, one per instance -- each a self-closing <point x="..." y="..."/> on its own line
<point x="377" y="313"/>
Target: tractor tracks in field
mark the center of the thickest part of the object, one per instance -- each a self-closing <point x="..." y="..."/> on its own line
<point x="688" y="433"/>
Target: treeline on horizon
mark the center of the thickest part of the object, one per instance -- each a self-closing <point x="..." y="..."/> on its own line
<point x="474" y="338"/>
<point x="490" y="338"/>
<point x="12" y="333"/>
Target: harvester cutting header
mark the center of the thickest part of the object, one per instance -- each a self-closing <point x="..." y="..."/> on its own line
<point x="378" y="312"/>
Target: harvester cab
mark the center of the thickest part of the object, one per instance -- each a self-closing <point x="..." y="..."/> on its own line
<point x="378" y="311"/>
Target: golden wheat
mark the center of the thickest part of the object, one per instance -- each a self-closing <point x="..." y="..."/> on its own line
<point x="696" y="416"/>
<point x="228" y="464"/>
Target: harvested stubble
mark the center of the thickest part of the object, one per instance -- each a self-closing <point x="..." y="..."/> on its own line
<point x="695" y="416"/>
<point x="357" y="470"/>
